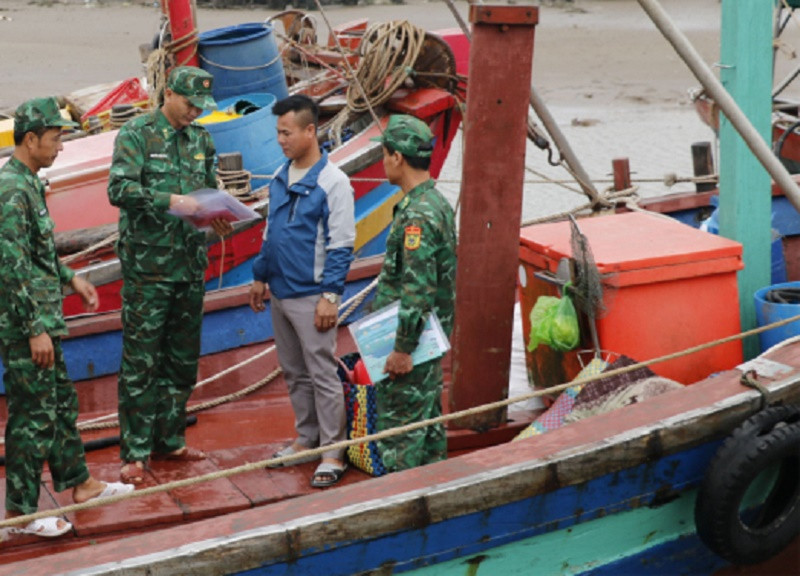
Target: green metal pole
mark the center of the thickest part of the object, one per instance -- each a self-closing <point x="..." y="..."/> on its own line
<point x="745" y="186"/>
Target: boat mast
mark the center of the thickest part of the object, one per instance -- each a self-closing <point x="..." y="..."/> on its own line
<point x="745" y="198"/>
<point x="495" y="138"/>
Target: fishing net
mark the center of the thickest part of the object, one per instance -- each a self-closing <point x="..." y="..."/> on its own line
<point x="587" y="287"/>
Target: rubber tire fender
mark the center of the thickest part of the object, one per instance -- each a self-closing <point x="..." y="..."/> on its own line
<point x="768" y="438"/>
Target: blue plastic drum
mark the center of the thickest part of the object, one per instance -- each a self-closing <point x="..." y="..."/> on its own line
<point x="254" y="135"/>
<point x="768" y="312"/>
<point x="243" y="59"/>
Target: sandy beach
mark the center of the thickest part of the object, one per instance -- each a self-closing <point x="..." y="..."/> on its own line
<point x="613" y="83"/>
<point x="586" y="52"/>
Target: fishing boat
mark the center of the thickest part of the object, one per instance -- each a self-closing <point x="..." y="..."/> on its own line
<point x="786" y="110"/>
<point x="617" y="492"/>
<point x="85" y="222"/>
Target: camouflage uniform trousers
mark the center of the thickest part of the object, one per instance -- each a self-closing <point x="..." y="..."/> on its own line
<point x="41" y="427"/>
<point x="161" y="324"/>
<point x="406" y="399"/>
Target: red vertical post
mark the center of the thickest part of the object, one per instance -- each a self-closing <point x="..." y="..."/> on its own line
<point x="183" y="24"/>
<point x="622" y="174"/>
<point x="495" y="130"/>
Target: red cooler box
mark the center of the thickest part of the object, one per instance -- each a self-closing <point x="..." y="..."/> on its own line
<point x="666" y="287"/>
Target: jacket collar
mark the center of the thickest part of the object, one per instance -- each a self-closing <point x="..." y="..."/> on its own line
<point x="307" y="182"/>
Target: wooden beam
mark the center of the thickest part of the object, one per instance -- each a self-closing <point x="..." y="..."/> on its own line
<point x="491" y="206"/>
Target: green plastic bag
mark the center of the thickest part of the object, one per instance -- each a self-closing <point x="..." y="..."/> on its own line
<point x="554" y="322"/>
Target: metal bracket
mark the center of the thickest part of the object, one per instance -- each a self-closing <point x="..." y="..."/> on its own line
<point x="564" y="273"/>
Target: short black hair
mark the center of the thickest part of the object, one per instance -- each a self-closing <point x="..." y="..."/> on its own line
<point x="300" y="104"/>
<point x="416" y="162"/>
<point x="20" y="136"/>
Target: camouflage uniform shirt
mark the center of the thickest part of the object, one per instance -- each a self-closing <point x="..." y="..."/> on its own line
<point x="30" y="294"/>
<point x="420" y="264"/>
<point x="151" y="161"/>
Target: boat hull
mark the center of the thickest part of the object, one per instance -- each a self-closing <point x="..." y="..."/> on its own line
<point x="611" y="494"/>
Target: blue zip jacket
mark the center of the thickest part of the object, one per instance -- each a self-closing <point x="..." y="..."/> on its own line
<point x="310" y="233"/>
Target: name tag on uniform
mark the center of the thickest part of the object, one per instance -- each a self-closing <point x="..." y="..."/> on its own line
<point x="159" y="156"/>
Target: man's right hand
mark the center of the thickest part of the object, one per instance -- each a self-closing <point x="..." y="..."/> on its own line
<point x="183" y="204"/>
<point x="42" y="352"/>
<point x="257" y="291"/>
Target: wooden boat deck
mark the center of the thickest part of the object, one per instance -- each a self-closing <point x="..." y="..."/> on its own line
<point x="244" y="431"/>
<point x="154" y="525"/>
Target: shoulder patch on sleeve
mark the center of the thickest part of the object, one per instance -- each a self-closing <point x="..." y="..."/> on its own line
<point x="413" y="237"/>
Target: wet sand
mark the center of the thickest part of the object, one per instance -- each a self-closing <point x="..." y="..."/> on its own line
<point x="587" y="51"/>
<point x="612" y="82"/>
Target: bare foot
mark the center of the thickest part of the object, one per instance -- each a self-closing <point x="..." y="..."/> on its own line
<point x="132" y="473"/>
<point x="87" y="490"/>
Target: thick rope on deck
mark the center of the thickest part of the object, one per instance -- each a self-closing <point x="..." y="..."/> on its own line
<point x="110" y="239"/>
<point x="250" y="467"/>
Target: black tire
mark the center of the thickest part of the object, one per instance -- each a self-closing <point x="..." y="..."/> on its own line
<point x="769" y="443"/>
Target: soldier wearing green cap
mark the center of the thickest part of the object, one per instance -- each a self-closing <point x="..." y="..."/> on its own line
<point x="419" y="270"/>
<point x="42" y="402"/>
<point x="159" y="158"/>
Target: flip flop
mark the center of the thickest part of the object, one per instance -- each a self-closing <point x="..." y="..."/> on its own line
<point x="42" y="527"/>
<point x="291" y="451"/>
<point x="327" y="475"/>
<point x="114" y="489"/>
<point x="185" y="455"/>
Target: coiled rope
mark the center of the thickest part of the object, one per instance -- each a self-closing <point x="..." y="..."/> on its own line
<point x="388" y="52"/>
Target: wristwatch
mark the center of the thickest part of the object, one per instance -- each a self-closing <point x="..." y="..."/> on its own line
<point x="332" y="297"/>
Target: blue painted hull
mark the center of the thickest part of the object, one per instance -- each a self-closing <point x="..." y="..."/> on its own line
<point x="534" y="524"/>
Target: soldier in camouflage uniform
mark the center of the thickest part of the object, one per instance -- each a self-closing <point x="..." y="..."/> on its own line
<point x="419" y="270"/>
<point x="159" y="158"/>
<point x="42" y="402"/>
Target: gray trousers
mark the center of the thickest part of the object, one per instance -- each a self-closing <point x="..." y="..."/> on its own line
<point x="309" y="366"/>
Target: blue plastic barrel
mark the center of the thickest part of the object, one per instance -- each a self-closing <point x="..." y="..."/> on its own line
<point x="769" y="312"/>
<point x="254" y="134"/>
<point x="243" y="59"/>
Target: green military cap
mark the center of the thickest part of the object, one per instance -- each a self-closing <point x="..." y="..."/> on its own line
<point x="39" y="113"/>
<point x="195" y="84"/>
<point x="408" y="135"/>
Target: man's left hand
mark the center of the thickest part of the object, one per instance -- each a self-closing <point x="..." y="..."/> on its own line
<point x="221" y="226"/>
<point x="326" y="315"/>
<point x="87" y="292"/>
<point x="397" y="364"/>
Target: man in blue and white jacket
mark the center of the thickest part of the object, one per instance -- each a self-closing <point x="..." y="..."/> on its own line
<point x="305" y="257"/>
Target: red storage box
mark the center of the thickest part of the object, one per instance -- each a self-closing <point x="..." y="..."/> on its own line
<point x="666" y="287"/>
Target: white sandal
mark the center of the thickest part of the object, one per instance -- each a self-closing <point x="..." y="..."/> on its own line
<point x="43" y="527"/>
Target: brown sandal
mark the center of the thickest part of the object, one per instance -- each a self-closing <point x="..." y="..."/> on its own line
<point x="127" y="474"/>
<point x="185" y="455"/>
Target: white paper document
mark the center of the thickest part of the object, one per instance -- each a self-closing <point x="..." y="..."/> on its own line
<point x="375" y="333"/>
